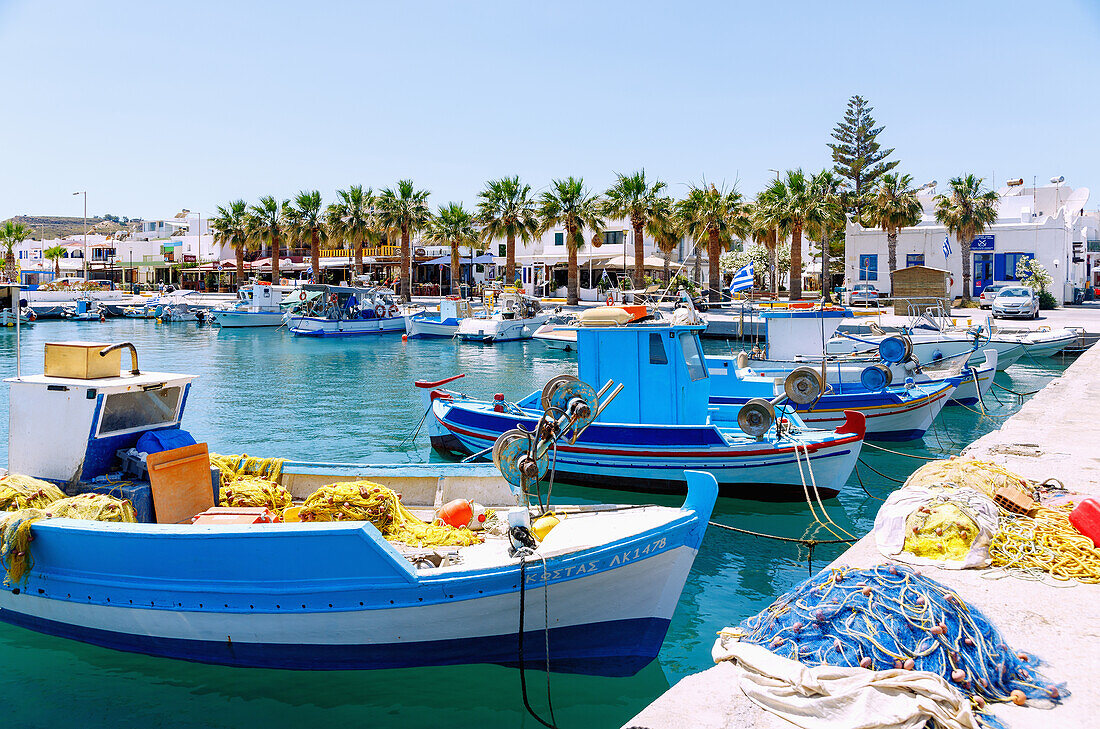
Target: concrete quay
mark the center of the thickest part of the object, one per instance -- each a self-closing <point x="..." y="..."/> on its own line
<point x="1053" y="435"/>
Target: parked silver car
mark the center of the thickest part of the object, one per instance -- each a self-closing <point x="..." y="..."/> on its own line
<point x="985" y="301"/>
<point x="1018" y="301"/>
<point x="865" y="294"/>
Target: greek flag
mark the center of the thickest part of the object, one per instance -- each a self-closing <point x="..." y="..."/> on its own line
<point x="742" y="280"/>
<point x="946" y="247"/>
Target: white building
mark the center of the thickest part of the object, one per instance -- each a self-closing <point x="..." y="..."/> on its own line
<point x="1045" y="223"/>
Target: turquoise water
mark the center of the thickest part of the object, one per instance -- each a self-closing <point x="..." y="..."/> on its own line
<point x="268" y="394"/>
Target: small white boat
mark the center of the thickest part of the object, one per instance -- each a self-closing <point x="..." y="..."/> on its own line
<point x="83" y="309"/>
<point x="442" y="323"/>
<point x="258" y="305"/>
<point x="1044" y="341"/>
<point x="560" y="330"/>
<point x="516" y="316"/>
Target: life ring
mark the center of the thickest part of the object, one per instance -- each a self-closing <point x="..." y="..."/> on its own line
<point x="394" y="311"/>
<point x="950" y="281"/>
<point x="333" y="299"/>
<point x="301" y="296"/>
<point x="610" y="300"/>
<point x="380" y="311"/>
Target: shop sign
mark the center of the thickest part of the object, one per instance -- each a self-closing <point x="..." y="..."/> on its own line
<point x="982" y="243"/>
<point x="1093" y="246"/>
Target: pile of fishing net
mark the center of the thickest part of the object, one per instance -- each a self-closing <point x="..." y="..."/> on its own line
<point x="381" y="506"/>
<point x="965" y="472"/>
<point x="892" y="617"/>
<point x="253" y="491"/>
<point x="932" y="517"/>
<point x="15" y="528"/>
<point x="233" y="467"/>
<point x="24" y="492"/>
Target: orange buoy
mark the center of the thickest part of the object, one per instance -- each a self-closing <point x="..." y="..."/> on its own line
<point x="404" y="337"/>
<point x="1018" y="697"/>
<point x="457" y="513"/>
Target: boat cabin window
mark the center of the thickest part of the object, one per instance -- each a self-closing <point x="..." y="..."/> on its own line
<point x="657" y="354"/>
<point x="693" y="356"/>
<point x="130" y="410"/>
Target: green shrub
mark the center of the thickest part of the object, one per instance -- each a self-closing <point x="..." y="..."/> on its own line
<point x="1047" y="301"/>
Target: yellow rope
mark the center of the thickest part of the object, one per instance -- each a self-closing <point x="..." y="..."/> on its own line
<point x="1046" y="542"/>
<point x="96" y="507"/>
<point x="15" y="540"/>
<point x="24" y="492"/>
<point x="252" y="491"/>
<point x="368" y="501"/>
<point x="233" y="467"/>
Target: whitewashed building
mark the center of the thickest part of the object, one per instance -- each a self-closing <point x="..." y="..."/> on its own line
<point x="1047" y="223"/>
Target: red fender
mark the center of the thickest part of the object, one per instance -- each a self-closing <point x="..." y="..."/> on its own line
<point x="854" y="422"/>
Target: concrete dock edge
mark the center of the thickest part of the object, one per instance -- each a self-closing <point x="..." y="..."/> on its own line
<point x="1054" y="435"/>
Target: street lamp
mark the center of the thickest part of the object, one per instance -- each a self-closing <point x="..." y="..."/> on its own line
<point x="85" y="254"/>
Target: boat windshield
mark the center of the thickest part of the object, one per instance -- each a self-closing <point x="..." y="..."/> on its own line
<point x="129" y="410"/>
<point x="693" y="356"/>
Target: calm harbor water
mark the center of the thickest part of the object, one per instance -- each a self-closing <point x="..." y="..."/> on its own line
<point x="268" y="394"/>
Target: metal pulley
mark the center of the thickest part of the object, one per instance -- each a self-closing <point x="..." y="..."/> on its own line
<point x="756" y="417"/>
<point x="895" y="349"/>
<point x="573" y="397"/>
<point x="518" y="460"/>
<point x="803" y="385"/>
<point x="876" y="377"/>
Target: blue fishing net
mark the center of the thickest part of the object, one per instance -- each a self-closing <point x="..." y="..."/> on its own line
<point x="891" y="616"/>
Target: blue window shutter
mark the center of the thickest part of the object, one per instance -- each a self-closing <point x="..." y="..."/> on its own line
<point x="872" y="267"/>
<point x="998" y="267"/>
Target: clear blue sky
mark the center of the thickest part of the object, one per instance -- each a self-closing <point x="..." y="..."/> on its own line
<point x="154" y="106"/>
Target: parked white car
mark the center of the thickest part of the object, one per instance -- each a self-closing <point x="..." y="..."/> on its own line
<point x="1016" y="301"/>
<point x="985" y="301"/>
<point x="865" y="294"/>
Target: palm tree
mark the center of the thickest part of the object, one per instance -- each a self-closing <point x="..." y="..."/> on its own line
<point x="404" y="209"/>
<point x="55" y="254"/>
<point x="267" y="227"/>
<point x="351" y="219"/>
<point x="893" y="205"/>
<point x="453" y="226"/>
<point x="709" y="214"/>
<point x="305" y="220"/>
<point x="634" y="198"/>
<point x="828" y="221"/>
<point x="571" y="205"/>
<point x="663" y="225"/>
<point x="788" y="205"/>
<point x="757" y="229"/>
<point x="11" y="235"/>
<point x="505" y="209"/>
<point x="967" y="211"/>
<point x="230" y="227"/>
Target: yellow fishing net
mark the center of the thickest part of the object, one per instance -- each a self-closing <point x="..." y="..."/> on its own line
<point x="97" y="507"/>
<point x="1046" y="542"/>
<point x="23" y="492"/>
<point x="252" y="491"/>
<point x="233" y="467"/>
<point x="15" y="540"/>
<point x="981" y="475"/>
<point x="941" y="531"/>
<point x="368" y="501"/>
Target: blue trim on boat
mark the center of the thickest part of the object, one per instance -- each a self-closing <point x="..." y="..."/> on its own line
<point x="611" y="648"/>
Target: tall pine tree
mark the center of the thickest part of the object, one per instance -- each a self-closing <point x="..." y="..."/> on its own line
<point x="857" y="156"/>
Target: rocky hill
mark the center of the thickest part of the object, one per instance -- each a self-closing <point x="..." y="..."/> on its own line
<point x="46" y="227"/>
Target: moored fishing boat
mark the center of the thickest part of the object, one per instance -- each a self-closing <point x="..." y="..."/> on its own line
<point x="510" y="316"/>
<point x="560" y="330"/>
<point x="344" y="311"/>
<point x="441" y="323"/>
<point x="660" y="425"/>
<point x="258" y="305"/>
<point x="324" y="595"/>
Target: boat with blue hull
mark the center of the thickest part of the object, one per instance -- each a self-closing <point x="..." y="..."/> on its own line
<point x="442" y="323"/>
<point x="337" y="594"/>
<point x="891" y="413"/>
<point x="258" y="305"/>
<point x="345" y="311"/>
<point x="658" y="425"/>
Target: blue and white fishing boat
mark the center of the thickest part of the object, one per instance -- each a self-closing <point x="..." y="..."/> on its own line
<point x="336" y="595"/>
<point x="10" y="303"/>
<point x="345" y="311"/>
<point x="660" y="424"/>
<point x="442" y="323"/>
<point x="258" y="305"/>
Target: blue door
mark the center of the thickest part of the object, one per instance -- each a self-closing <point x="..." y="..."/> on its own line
<point x="983" y="272"/>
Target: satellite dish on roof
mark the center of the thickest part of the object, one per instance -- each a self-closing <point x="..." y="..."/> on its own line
<point x="1077" y="200"/>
